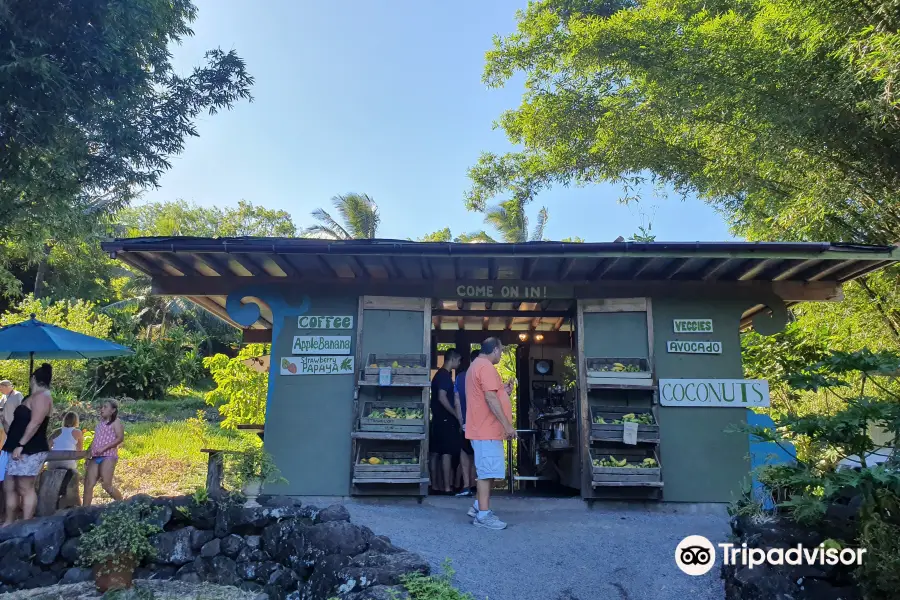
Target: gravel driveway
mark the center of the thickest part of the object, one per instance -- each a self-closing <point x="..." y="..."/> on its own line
<point x="555" y="549"/>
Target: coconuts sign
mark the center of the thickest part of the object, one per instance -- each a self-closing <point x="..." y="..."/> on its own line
<point x="317" y="365"/>
<point x="725" y="393"/>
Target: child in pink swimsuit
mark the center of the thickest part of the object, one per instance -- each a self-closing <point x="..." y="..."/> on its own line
<point x="104" y="453"/>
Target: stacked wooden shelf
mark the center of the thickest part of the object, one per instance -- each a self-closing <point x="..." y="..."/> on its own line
<point x="619" y="390"/>
<point x="390" y="436"/>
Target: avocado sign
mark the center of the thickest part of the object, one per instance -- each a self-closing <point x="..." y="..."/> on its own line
<point x="727" y="393"/>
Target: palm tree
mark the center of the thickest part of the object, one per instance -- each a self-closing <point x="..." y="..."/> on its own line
<point x="359" y="214"/>
<point x="509" y="219"/>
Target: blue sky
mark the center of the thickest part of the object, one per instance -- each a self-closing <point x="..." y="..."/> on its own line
<point x="382" y="97"/>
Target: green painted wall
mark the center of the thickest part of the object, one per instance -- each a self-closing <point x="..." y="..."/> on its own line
<point x="616" y="334"/>
<point x="308" y="418"/>
<point x="701" y="463"/>
<point x="392" y="332"/>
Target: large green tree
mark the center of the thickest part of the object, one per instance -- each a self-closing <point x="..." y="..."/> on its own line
<point x="92" y="110"/>
<point x="359" y="219"/>
<point x="180" y="217"/>
<point x="783" y="113"/>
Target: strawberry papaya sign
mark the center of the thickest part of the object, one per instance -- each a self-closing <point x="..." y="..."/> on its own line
<point x="317" y="365"/>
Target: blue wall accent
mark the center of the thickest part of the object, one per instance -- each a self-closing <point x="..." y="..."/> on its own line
<point x="766" y="453"/>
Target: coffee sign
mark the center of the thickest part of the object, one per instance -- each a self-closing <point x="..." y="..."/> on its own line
<point x="693" y="325"/>
<point x="725" y="393"/>
<point x="324" y="322"/>
<point x="321" y="344"/>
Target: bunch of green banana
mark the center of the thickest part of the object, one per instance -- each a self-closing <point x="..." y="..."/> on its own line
<point x="648" y="463"/>
<point x="610" y="462"/>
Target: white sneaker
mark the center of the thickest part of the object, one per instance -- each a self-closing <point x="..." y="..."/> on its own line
<point x="490" y="521"/>
<point x="472" y="512"/>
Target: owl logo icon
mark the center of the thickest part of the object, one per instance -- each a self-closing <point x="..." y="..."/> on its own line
<point x="695" y="555"/>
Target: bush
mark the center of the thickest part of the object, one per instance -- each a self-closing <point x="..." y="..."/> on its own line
<point x="157" y="364"/>
<point x="83" y="317"/>
<point x="251" y="463"/>
<point x="122" y="537"/>
<point x="240" y="392"/>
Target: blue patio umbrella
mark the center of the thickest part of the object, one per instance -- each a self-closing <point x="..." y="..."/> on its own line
<point x="33" y="338"/>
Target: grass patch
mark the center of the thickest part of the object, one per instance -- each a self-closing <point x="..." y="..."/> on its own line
<point x="164" y="459"/>
<point x="434" y="587"/>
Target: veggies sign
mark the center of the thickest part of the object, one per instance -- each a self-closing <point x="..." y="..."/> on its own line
<point x="317" y="365"/>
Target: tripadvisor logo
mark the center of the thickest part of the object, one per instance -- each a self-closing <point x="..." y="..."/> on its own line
<point x="695" y="555"/>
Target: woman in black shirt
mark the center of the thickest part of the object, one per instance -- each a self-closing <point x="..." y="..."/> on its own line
<point x="26" y="445"/>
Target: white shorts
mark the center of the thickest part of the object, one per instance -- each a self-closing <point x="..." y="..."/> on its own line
<point x="490" y="462"/>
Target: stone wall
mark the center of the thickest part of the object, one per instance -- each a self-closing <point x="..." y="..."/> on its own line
<point x="788" y="582"/>
<point x="282" y="550"/>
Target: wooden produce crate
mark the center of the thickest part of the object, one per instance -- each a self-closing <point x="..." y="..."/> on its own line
<point x="600" y="371"/>
<point x="628" y="476"/>
<point x="389" y="424"/>
<point x="612" y="432"/>
<point x="391" y="465"/>
<point x="410" y="369"/>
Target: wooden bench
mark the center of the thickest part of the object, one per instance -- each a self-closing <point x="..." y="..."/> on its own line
<point x="259" y="429"/>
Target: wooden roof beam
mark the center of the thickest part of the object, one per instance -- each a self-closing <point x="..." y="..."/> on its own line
<point x="796" y="269"/>
<point x="567" y="267"/>
<point x="678" y="265"/>
<point x="601" y="269"/>
<point x="286" y="267"/>
<point x="247" y="264"/>
<point x="178" y="264"/>
<point x="712" y="271"/>
<point x="648" y="262"/>
<point x="751" y="271"/>
<point x="840" y="265"/>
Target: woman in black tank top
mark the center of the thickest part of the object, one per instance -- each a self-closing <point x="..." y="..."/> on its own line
<point x="26" y="446"/>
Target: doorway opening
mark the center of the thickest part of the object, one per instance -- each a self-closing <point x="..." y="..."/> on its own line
<point x="540" y="359"/>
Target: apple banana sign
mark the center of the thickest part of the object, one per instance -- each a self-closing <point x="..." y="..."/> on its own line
<point x="724" y="393"/>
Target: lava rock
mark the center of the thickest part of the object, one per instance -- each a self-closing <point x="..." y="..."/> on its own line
<point x="763" y="582"/>
<point x="211" y="548"/>
<point x="161" y="513"/>
<point x="250" y="586"/>
<point x="200" y="537"/>
<point x="49" y="537"/>
<point x="158" y="573"/>
<point x="336" y="537"/>
<point x="374" y="568"/>
<point x="76" y="575"/>
<point x="335" y="512"/>
<point x="283" y="579"/>
<point x="190" y="578"/>
<point x="232" y="545"/>
<point x="174" y="547"/>
<point x="69" y="550"/>
<point x="249" y="521"/>
<point x="40" y="580"/>
<point x="81" y="520"/>
<point x="253" y="541"/>
<point x="276" y="500"/>
<point x="21" y="548"/>
<point x="325" y="579"/>
<point x="248" y="554"/>
<point x="220" y="569"/>
<point x="14" y="570"/>
<point x="382" y="544"/>
<point x="255" y="571"/>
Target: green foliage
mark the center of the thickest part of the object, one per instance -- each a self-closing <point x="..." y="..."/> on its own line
<point x="782" y="114"/>
<point x="73" y="156"/>
<point x="805" y="489"/>
<point x="240" y="392"/>
<point x="251" y="463"/>
<point x="121" y="538"/>
<point x="359" y="216"/>
<point x="77" y="315"/>
<point x="435" y="587"/>
<point x="158" y="363"/>
<point x="180" y="217"/>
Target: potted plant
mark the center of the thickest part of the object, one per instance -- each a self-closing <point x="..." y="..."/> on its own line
<point x="117" y="544"/>
<point x="251" y="468"/>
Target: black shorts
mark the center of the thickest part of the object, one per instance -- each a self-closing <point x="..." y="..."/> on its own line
<point x="467" y="446"/>
<point x="446" y="437"/>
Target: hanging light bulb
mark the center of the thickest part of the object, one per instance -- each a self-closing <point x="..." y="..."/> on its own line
<point x="539" y="337"/>
<point x="523" y="336"/>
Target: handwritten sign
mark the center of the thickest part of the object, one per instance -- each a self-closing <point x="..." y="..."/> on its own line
<point x="511" y="290"/>
<point x="324" y="322"/>
<point x="317" y="365"/>
<point x="683" y="347"/>
<point x="629" y="433"/>
<point x="693" y="326"/>
<point x="384" y="376"/>
<point x="728" y="393"/>
<point x="321" y="344"/>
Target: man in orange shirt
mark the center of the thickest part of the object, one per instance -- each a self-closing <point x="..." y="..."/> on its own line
<point x="488" y="423"/>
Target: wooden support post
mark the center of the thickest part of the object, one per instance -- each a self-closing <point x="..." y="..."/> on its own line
<point x="215" y="470"/>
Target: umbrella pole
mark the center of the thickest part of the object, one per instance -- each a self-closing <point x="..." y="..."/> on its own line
<point x="31" y="366"/>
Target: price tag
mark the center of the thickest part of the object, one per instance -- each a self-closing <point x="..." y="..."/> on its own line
<point x="629" y="433"/>
<point x="384" y="376"/>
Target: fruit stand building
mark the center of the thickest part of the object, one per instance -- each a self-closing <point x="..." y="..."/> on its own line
<point x="650" y="333"/>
